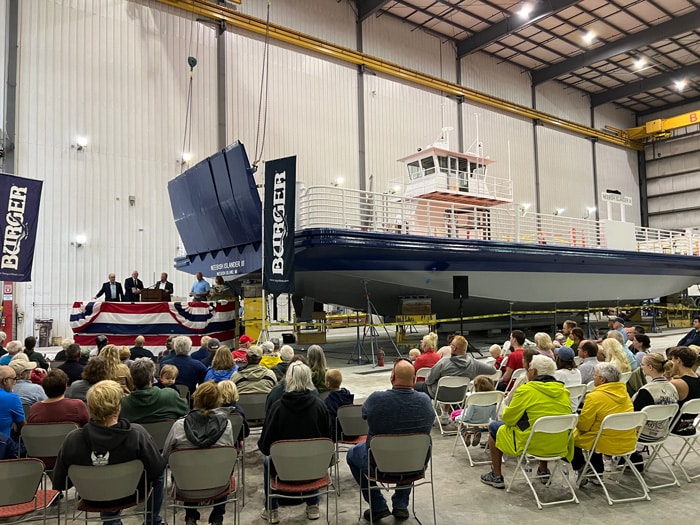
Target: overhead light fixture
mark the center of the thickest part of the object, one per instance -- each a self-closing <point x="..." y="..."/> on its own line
<point x="525" y="11"/>
<point x="681" y="84"/>
<point x="186" y="157"/>
<point x="588" y="37"/>
<point x="640" y="63"/>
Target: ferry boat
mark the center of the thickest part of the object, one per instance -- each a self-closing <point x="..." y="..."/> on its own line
<point x="449" y="218"/>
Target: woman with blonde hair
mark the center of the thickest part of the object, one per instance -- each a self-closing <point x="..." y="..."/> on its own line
<point x="116" y="370"/>
<point x="229" y="400"/>
<point x="544" y="345"/>
<point x="429" y="356"/>
<point x="222" y="366"/>
<point x="616" y="355"/>
<point x="319" y="367"/>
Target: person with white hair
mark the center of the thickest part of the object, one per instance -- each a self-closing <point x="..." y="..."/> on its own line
<point x="541" y="396"/>
<point x="271" y="357"/>
<point x="3" y="336"/>
<point x="13" y="348"/>
<point x="299" y="414"/>
<point x="286" y="354"/>
<point x="191" y="371"/>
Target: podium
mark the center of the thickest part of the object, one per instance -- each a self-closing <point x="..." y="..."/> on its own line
<point x="154" y="296"/>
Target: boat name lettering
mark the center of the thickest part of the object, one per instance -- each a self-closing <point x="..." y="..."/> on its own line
<point x="227" y="265"/>
<point x="15" y="229"/>
<point x="279" y="226"/>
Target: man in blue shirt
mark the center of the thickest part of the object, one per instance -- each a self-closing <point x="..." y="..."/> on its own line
<point x="400" y="410"/>
<point x="200" y="288"/>
<point x="11" y="410"/>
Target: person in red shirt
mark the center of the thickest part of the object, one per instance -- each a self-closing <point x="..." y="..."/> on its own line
<point x="429" y="357"/>
<point x="58" y="409"/>
<point x="515" y="358"/>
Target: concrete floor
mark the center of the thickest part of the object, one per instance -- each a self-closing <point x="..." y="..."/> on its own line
<point x="459" y="495"/>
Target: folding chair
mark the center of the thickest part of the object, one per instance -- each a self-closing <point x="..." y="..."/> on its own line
<point x="184" y="392"/>
<point x="619" y="422"/>
<point x="253" y="404"/>
<point x="236" y="427"/>
<point x="20" y="495"/>
<point x="517" y="374"/>
<point x="662" y="416"/>
<point x="481" y="399"/>
<point x="450" y="391"/>
<point x="546" y="425"/>
<point x="159" y="431"/>
<point x="350" y="429"/>
<point x="576" y="392"/>
<point x="399" y="459"/>
<point x="625" y="376"/>
<point x="301" y="466"/>
<point x="422" y="372"/>
<point x="202" y="475"/>
<point x="101" y="485"/>
<point x="689" y="442"/>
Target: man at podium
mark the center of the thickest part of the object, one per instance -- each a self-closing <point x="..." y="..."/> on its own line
<point x="164" y="285"/>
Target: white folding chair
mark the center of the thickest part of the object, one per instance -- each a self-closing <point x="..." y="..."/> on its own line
<point x="691" y="407"/>
<point x="661" y="417"/>
<point x="422" y="372"/>
<point x="399" y="460"/>
<point x="625" y="376"/>
<point x="481" y="399"/>
<point x="517" y="374"/>
<point x="301" y="466"/>
<point x="546" y="425"/>
<point x="350" y="429"/>
<point x="617" y="422"/>
<point x="450" y="391"/>
<point x="576" y="393"/>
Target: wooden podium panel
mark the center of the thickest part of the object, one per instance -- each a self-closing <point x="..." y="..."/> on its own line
<point x="153" y="296"/>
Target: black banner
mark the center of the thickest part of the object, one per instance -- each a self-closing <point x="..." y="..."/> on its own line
<point x="19" y="214"/>
<point x="278" y="234"/>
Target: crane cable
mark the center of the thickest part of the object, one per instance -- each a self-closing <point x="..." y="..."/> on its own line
<point x="261" y="127"/>
<point x="187" y="135"/>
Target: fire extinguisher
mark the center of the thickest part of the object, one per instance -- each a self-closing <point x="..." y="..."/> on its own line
<point x="380" y="357"/>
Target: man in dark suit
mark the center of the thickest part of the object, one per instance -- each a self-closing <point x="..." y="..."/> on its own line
<point x="132" y="288"/>
<point x="164" y="285"/>
<point x="112" y="290"/>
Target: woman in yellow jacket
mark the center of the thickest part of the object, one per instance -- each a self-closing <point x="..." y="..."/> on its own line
<point x="608" y="397"/>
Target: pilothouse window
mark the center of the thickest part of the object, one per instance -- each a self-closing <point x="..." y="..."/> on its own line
<point x="414" y="171"/>
<point x="428" y="164"/>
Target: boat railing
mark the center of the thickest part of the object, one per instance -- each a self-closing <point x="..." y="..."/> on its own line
<point x="350" y="209"/>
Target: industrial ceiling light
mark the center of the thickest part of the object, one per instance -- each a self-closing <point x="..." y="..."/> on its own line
<point x="588" y="37"/>
<point x="681" y="85"/>
<point x="525" y="11"/>
<point x="640" y="63"/>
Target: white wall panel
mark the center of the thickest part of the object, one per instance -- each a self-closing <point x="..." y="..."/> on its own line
<point x="613" y="115"/>
<point x="399" y="120"/>
<point x="679" y="219"/>
<point x="566" y="173"/>
<point x="567" y="103"/>
<point x="325" y="19"/>
<point x="509" y="142"/>
<point x="487" y="74"/>
<point x="3" y="71"/>
<point x="392" y="40"/>
<point x="311" y="110"/>
<point x="115" y="72"/>
<point x="617" y="170"/>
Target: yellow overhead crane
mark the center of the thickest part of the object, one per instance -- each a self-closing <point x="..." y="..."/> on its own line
<point x="659" y="128"/>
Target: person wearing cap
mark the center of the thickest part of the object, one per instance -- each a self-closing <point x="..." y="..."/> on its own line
<point x="271" y="357"/>
<point x="240" y="355"/>
<point x="692" y="337"/>
<point x="11" y="411"/>
<point x="203" y="351"/>
<point x="138" y="349"/>
<point x="618" y="324"/>
<point x="567" y="372"/>
<point x="28" y="392"/>
<point x="254" y="378"/>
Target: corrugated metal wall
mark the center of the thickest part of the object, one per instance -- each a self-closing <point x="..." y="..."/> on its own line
<point x="3" y="72"/>
<point x="114" y="72"/>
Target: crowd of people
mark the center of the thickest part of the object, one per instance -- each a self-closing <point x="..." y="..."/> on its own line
<point x="109" y="395"/>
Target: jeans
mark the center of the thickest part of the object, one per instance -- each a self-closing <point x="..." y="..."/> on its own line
<point x="357" y="460"/>
<point x="155" y="501"/>
<point x="312" y="498"/>
<point x="493" y="428"/>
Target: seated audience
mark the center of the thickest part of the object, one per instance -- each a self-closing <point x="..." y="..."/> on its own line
<point x="125" y="356"/>
<point x="167" y="377"/>
<point x="208" y="347"/>
<point x="190" y="371"/>
<point x="229" y="400"/>
<point x="13" y="348"/>
<point x="400" y="410"/>
<point x="109" y="440"/>
<point x="576" y="336"/>
<point x="541" y="396"/>
<point x="61" y="355"/>
<point x="615" y="354"/>
<point x="514" y="360"/>
<point x="254" y="378"/>
<point x="147" y="404"/>
<point x="609" y="396"/>
<point x="299" y="414"/>
<point x="222" y="367"/>
<point x="476" y="415"/>
<point x="27" y="391"/>
<point x="544" y="345"/>
<point x="338" y="396"/>
<point x="413" y="354"/>
<point x="56" y="408"/>
<point x="497" y="353"/>
<point x="11" y="410"/>
<point x="241" y="354"/>
<point x="614" y="334"/>
<point x="641" y="344"/>
<point x="692" y="337"/>
<point x="588" y="351"/>
<point x="429" y="356"/>
<point x="32" y="354"/>
<point x="116" y="370"/>
<point x="567" y="372"/>
<point x="8" y="448"/>
<point x="286" y="354"/>
<point x="203" y="427"/>
<point x="276" y="393"/>
<point x="139" y="350"/>
<point x="687" y="384"/>
<point x="72" y="366"/>
<point x="271" y="357"/>
<point x="318" y="365"/>
<point x="95" y="370"/>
